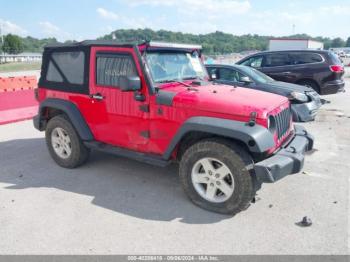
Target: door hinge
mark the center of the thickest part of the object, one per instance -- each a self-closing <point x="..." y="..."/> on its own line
<point x="144" y="108"/>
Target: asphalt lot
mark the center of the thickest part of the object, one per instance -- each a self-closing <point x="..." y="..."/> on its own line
<point x="114" y="205"/>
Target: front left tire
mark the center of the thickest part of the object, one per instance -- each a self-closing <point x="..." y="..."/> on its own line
<point x="216" y="175"/>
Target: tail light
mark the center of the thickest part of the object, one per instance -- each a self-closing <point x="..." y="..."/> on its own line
<point x="336" y="68"/>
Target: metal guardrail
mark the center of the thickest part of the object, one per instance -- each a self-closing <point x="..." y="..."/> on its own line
<point x="20" y="58"/>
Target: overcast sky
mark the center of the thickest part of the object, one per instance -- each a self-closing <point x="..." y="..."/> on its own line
<point x="88" y="19"/>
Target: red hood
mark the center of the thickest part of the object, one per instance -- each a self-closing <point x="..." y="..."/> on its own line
<point x="225" y="99"/>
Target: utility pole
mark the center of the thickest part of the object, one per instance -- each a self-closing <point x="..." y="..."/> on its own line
<point x="293" y="26"/>
<point x="1" y="38"/>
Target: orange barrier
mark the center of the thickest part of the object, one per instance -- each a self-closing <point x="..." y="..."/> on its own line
<point x="17" y="100"/>
<point x="17" y="83"/>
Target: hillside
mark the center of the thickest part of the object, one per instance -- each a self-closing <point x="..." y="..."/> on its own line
<point x="213" y="43"/>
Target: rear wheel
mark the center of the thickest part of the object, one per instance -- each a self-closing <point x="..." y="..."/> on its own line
<point x="215" y="175"/>
<point x="64" y="144"/>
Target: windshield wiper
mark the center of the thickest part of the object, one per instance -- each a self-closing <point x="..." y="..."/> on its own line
<point x="193" y="78"/>
<point x="174" y="81"/>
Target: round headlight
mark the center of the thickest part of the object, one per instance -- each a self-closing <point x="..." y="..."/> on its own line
<point x="298" y="97"/>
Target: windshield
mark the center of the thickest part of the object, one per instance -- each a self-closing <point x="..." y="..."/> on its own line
<point x="257" y="75"/>
<point x="175" y="66"/>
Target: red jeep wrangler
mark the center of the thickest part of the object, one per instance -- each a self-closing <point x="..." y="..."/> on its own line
<point x="153" y="102"/>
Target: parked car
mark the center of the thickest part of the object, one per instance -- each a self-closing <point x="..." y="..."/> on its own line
<point x="305" y="101"/>
<point x="321" y="70"/>
<point x="152" y="102"/>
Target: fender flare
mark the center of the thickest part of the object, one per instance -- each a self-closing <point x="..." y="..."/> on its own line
<point x="257" y="138"/>
<point x="71" y="110"/>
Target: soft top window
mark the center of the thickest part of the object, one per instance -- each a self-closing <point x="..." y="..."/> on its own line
<point x="66" y="66"/>
<point x="66" y="69"/>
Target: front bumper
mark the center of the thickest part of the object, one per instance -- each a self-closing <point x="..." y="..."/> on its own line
<point x="305" y="112"/>
<point x="288" y="160"/>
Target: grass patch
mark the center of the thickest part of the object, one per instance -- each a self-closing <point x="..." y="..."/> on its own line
<point x="14" y="67"/>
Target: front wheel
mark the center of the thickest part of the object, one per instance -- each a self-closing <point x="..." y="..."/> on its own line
<point x="216" y="176"/>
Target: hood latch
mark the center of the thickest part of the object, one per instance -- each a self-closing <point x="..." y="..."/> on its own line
<point x="252" y="119"/>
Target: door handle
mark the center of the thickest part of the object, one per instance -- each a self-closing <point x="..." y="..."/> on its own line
<point x="97" y="96"/>
<point x="286" y="73"/>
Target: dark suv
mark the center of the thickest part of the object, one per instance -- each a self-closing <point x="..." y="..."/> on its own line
<point x="318" y="69"/>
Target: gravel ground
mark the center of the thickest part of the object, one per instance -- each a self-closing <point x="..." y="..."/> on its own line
<point x="114" y="205"/>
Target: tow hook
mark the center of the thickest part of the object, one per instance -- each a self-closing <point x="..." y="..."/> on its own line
<point x="292" y="149"/>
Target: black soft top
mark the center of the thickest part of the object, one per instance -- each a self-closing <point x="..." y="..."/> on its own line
<point x="89" y="43"/>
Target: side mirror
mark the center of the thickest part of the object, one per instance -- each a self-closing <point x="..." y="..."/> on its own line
<point x="129" y="83"/>
<point x="246" y="80"/>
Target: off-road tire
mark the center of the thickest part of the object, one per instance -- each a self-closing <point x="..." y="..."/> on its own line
<point x="79" y="154"/>
<point x="236" y="158"/>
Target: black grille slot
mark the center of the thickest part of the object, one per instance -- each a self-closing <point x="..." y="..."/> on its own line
<point x="283" y="122"/>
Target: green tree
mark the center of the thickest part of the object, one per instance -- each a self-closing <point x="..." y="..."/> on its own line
<point x="348" y="42"/>
<point x="215" y="43"/>
<point x="338" y="42"/>
<point x="12" y="44"/>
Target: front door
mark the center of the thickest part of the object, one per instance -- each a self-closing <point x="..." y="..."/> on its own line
<point x="116" y="117"/>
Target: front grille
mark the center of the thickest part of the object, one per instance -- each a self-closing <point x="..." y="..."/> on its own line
<point x="283" y="119"/>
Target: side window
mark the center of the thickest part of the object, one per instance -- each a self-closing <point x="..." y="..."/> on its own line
<point x="212" y="71"/>
<point x="334" y="58"/>
<point x="239" y="76"/>
<point x="305" y="58"/>
<point x="278" y="59"/>
<point x="227" y="74"/>
<point x="111" y="67"/>
<point x="255" y="61"/>
<point x="230" y="75"/>
<point x="53" y="75"/>
<point x="66" y="67"/>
